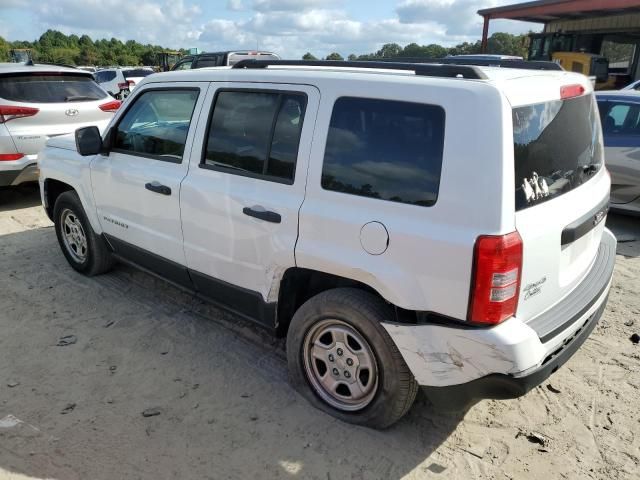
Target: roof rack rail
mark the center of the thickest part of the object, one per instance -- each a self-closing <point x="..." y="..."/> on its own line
<point x="427" y="70"/>
<point x="504" y="63"/>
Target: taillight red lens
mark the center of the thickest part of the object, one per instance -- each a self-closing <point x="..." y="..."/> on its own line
<point x="11" y="112"/>
<point x="111" y="106"/>
<point x="7" y="157"/>
<point x="131" y="82"/>
<point x="570" y="91"/>
<point x="497" y="267"/>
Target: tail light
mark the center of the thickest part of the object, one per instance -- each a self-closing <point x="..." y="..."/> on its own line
<point x="111" y="106"/>
<point x="11" y="112"/>
<point x="570" y="91"/>
<point x="497" y="266"/>
<point x="131" y="83"/>
<point x="7" y="157"/>
<point x="123" y="85"/>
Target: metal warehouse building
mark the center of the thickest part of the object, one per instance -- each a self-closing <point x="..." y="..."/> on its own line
<point x="610" y="28"/>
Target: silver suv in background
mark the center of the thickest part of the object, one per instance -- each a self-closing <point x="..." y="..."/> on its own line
<point x="120" y="82"/>
<point x="38" y="102"/>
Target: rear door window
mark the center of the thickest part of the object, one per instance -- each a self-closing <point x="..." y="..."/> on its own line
<point x="557" y="147"/>
<point x="256" y="134"/>
<point x="50" y="88"/>
<point x="384" y="149"/>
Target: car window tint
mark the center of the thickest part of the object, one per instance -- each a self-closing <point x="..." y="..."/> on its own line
<point x="385" y="149"/>
<point x="184" y="65"/>
<point x="256" y="133"/>
<point x="138" y="72"/>
<point x="619" y="113"/>
<point x="622" y="119"/>
<point x="157" y="124"/>
<point x="208" y="62"/>
<point x="50" y="88"/>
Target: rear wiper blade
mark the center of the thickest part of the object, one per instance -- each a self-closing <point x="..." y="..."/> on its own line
<point x="73" y="98"/>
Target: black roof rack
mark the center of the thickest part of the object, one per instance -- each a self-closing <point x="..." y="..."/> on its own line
<point x="428" y="70"/>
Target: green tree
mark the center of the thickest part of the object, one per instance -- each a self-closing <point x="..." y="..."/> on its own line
<point x="334" y="56"/>
<point x="308" y="56"/>
<point x="389" y="50"/>
<point x="352" y="57"/>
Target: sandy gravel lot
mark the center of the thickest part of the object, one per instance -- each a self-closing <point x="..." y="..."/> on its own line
<point x="225" y="408"/>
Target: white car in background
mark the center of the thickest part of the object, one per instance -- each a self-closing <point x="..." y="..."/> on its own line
<point x="120" y="82"/>
<point x="38" y="102"/>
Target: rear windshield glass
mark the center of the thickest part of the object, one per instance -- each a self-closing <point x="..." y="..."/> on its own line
<point x="557" y="146"/>
<point x="136" y="73"/>
<point x="237" y="57"/>
<point x="50" y="88"/>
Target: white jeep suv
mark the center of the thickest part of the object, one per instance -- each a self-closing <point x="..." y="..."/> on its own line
<point x="402" y="225"/>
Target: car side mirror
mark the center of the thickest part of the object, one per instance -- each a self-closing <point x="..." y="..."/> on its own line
<point x="88" y="141"/>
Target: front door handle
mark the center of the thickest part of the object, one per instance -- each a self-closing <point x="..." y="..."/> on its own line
<point x="265" y="215"/>
<point x="158" y="188"/>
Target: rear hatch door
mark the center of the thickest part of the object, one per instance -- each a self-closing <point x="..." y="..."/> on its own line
<point x="562" y="193"/>
<point x="62" y="101"/>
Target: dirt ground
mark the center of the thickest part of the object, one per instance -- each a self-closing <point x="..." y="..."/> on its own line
<point x="225" y="410"/>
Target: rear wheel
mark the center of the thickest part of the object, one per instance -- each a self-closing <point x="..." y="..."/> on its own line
<point x="344" y="362"/>
<point x="85" y="251"/>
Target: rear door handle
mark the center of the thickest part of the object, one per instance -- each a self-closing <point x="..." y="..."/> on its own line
<point x="265" y="215"/>
<point x="158" y="188"/>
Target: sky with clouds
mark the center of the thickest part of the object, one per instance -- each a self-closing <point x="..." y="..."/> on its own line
<point x="288" y="27"/>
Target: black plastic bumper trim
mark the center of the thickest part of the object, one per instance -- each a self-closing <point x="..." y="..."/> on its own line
<point x="500" y="386"/>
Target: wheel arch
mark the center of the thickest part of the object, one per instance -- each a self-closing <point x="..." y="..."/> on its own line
<point x="298" y="285"/>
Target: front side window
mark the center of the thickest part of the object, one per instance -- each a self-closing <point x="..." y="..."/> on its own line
<point x="385" y="149"/>
<point x="184" y="65"/>
<point x="256" y="134"/>
<point x="157" y="124"/>
<point x="621" y="119"/>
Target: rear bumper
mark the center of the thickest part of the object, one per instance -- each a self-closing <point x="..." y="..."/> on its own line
<point x="460" y="364"/>
<point x="30" y="173"/>
<point x="501" y="386"/>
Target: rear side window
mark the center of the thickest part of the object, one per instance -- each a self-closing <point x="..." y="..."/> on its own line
<point x="138" y="72"/>
<point x="256" y="134"/>
<point x="106" y="76"/>
<point x="50" y="88"/>
<point x="157" y="125"/>
<point x="209" y="62"/>
<point x="557" y="147"/>
<point x="385" y="149"/>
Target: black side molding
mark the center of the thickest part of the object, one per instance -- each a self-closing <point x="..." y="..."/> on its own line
<point x="585" y="224"/>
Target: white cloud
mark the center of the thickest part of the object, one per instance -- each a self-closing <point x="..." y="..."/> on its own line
<point x="288" y="27"/>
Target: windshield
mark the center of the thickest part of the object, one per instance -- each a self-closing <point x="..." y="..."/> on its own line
<point x="50" y="88"/>
<point x="557" y="147"/>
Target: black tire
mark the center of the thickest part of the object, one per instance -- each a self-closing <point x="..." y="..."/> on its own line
<point x="364" y="312"/>
<point x="98" y="258"/>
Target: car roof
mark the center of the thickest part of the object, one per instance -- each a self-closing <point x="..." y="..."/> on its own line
<point x="519" y="86"/>
<point x="619" y="94"/>
<point x="6" y="68"/>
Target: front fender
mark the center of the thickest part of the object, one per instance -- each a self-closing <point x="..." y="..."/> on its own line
<point x="68" y="167"/>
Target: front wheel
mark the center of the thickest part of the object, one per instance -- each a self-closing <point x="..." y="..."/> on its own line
<point x="85" y="251"/>
<point x="345" y="363"/>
